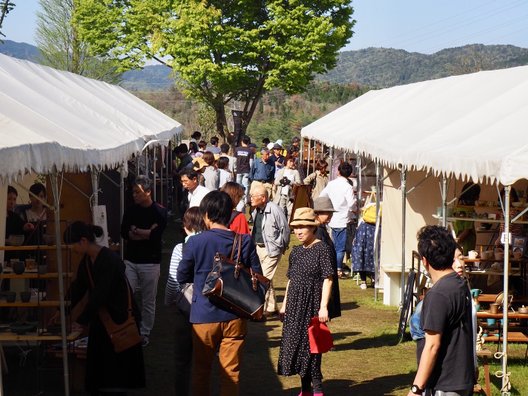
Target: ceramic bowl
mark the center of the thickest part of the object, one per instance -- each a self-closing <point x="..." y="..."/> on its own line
<point x="15" y="240"/>
<point x="23" y="327"/>
<point x="523" y="310"/>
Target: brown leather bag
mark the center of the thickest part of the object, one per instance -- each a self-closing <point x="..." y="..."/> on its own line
<point x="123" y="335"/>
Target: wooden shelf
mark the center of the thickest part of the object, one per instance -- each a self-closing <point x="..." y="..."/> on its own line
<point x="33" y="336"/>
<point x="34" y="275"/>
<point x="40" y="304"/>
<point x="33" y="247"/>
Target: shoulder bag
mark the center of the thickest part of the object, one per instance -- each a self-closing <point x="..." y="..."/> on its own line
<point x="232" y="286"/>
<point x="123" y="335"/>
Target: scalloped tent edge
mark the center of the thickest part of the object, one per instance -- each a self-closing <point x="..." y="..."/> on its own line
<point x="472" y="126"/>
<point x="56" y="119"/>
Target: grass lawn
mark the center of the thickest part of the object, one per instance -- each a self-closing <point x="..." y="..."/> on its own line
<point x="366" y="360"/>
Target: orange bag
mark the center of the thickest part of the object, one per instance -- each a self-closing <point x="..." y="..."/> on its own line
<point x="319" y="336"/>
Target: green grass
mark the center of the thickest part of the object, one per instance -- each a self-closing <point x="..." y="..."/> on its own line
<point x="366" y="360"/>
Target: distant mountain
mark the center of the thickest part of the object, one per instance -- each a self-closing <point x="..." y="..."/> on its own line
<point x="373" y="67"/>
<point x="386" y="67"/>
<point x="20" y="50"/>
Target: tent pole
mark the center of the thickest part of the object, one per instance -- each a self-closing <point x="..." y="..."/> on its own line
<point x="308" y="158"/>
<point x="505" y="377"/>
<point x="122" y="204"/>
<point x="154" y="159"/>
<point x="444" y="201"/>
<point x="376" y="231"/>
<point x="56" y="203"/>
<point x="359" y="191"/>
<point x="403" y="187"/>
<point x="94" y="198"/>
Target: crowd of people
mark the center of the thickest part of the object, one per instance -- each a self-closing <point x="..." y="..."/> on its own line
<point x="218" y="195"/>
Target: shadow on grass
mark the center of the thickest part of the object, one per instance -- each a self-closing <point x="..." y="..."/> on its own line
<point x="348" y="306"/>
<point x="369" y="342"/>
<point x="379" y="386"/>
<point x="258" y="371"/>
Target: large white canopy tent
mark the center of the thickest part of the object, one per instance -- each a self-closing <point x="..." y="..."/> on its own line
<point x="469" y="126"/>
<point x="54" y="121"/>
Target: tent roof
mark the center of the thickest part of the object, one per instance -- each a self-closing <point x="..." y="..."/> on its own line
<point x="50" y="117"/>
<point x="473" y="125"/>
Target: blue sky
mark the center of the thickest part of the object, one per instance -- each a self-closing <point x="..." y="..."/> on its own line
<point x="423" y="26"/>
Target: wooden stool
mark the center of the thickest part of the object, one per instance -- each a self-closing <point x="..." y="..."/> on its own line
<point x="484" y="354"/>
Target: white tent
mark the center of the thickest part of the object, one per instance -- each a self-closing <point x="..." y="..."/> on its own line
<point x="470" y="126"/>
<point x="53" y="121"/>
<point x="50" y="117"/>
<point x="474" y="125"/>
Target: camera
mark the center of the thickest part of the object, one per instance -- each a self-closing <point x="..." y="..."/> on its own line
<point x="284" y="181"/>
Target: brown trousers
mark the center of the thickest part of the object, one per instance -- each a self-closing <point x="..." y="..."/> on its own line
<point x="227" y="338"/>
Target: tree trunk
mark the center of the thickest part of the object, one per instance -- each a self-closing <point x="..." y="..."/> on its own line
<point x="221" y="120"/>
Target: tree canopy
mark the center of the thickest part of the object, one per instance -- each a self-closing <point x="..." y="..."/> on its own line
<point x="60" y="46"/>
<point x="223" y="52"/>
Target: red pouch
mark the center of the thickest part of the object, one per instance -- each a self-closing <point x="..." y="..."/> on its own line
<point x="319" y="336"/>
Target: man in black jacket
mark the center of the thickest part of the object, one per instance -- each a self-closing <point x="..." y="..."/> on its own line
<point x="142" y="227"/>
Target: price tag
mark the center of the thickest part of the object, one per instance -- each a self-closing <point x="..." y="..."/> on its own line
<point x="503" y="238"/>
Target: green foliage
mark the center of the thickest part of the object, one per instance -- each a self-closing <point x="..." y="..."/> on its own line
<point x="5" y="7"/>
<point x="61" y="48"/>
<point x="222" y="50"/>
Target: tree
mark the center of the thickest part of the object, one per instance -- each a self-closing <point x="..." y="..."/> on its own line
<point x="222" y="51"/>
<point x="5" y="7"/>
<point x="60" y="46"/>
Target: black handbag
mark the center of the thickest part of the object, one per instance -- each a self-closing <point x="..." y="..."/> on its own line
<point x="232" y="286"/>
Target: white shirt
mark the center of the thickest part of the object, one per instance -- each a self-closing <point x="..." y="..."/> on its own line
<point x="225" y="177"/>
<point x="197" y="195"/>
<point x="342" y="196"/>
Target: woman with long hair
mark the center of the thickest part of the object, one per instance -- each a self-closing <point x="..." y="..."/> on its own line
<point x="318" y="179"/>
<point x="101" y="277"/>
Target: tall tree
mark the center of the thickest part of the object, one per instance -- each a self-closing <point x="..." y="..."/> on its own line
<point x="61" y="47"/>
<point x="5" y="7"/>
<point x="222" y="51"/>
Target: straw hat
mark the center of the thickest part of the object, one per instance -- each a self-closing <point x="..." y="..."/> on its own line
<point x="199" y="163"/>
<point x="304" y="217"/>
<point x="323" y="204"/>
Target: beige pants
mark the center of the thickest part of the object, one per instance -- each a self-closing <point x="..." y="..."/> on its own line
<point x="226" y="339"/>
<point x="269" y="266"/>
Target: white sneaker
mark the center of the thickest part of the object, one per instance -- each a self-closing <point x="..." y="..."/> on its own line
<point x="363" y="286"/>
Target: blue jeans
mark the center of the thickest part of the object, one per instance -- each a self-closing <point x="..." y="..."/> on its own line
<point x="339" y="236"/>
<point x="243" y="180"/>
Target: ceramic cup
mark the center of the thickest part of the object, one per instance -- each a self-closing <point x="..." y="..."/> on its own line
<point x="10" y="296"/>
<point x="494" y="308"/>
<point x="42" y="269"/>
<point x="472" y="254"/>
<point x="25" y="296"/>
<point x="491" y="322"/>
<point x="19" y="267"/>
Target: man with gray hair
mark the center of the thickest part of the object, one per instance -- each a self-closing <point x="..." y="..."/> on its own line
<point x="271" y="234"/>
<point x="262" y="172"/>
<point x="142" y="227"/>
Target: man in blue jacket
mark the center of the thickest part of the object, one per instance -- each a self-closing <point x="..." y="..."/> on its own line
<point x="214" y="329"/>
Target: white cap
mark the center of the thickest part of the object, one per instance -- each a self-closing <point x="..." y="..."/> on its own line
<point x="270" y="146"/>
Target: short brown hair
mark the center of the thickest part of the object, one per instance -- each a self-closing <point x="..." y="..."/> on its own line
<point x="235" y="192"/>
<point x="193" y="219"/>
<point x="209" y="158"/>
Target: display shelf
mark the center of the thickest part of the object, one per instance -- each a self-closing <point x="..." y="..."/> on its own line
<point x="34" y="336"/>
<point x="34" y="275"/>
<point x="40" y="304"/>
<point x="33" y="247"/>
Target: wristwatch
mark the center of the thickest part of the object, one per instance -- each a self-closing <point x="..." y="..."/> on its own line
<point x="416" y="390"/>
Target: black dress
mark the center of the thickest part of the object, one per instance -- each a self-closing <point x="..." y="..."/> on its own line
<point x="307" y="270"/>
<point x="334" y="305"/>
<point x="104" y="367"/>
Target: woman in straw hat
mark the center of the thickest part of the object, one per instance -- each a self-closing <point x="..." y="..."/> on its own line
<point x="308" y="291"/>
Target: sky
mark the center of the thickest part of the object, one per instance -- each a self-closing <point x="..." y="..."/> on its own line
<point x="425" y="26"/>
